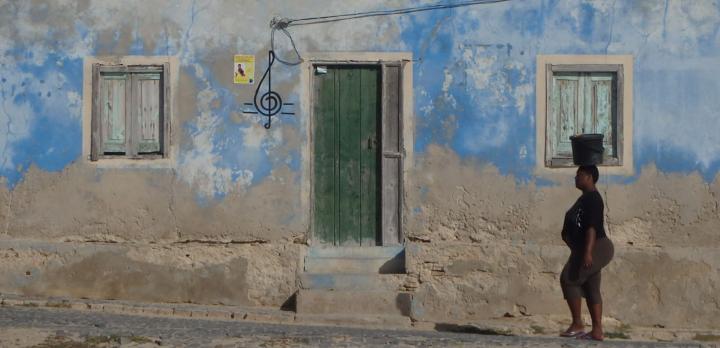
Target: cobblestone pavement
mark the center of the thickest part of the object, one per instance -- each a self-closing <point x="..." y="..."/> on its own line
<point x="54" y="327"/>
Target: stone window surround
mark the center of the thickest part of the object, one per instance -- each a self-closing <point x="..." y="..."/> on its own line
<point x="541" y="111"/>
<point x="87" y="111"/>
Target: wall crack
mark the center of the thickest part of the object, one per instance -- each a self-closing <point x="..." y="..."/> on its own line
<point x="215" y="242"/>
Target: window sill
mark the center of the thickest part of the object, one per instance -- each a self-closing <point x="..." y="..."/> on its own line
<point x="562" y="174"/>
<point x="127" y="163"/>
<point x="563" y="162"/>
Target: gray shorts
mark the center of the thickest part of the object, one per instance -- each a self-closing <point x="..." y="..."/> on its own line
<point x="577" y="281"/>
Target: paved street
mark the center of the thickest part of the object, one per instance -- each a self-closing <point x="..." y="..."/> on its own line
<point x="54" y="327"/>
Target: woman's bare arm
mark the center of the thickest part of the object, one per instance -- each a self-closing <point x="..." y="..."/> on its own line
<point x="589" y="245"/>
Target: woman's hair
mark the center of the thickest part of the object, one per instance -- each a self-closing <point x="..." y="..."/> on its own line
<point x="592" y="170"/>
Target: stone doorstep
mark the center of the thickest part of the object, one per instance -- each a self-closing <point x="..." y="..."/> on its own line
<point x="370" y="260"/>
<point x="351" y="281"/>
<point x="368" y="265"/>
<point x="386" y="252"/>
<point x="358" y="320"/>
<point x="348" y="302"/>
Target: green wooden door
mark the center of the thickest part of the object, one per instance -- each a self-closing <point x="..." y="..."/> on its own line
<point x="347" y="110"/>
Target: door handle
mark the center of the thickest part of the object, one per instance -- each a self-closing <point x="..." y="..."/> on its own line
<point x="372" y="143"/>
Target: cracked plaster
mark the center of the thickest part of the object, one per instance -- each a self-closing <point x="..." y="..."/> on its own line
<point x="483" y="245"/>
<point x="483" y="233"/>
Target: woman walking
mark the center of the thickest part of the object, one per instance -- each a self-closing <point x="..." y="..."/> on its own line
<point x="590" y="251"/>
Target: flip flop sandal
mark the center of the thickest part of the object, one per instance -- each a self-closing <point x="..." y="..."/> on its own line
<point x="587" y="336"/>
<point x="572" y="334"/>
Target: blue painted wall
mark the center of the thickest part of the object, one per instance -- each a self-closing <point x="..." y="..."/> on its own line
<point x="486" y="58"/>
<point x="474" y="79"/>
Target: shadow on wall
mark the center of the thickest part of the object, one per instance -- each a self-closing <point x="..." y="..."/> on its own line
<point x="290" y="304"/>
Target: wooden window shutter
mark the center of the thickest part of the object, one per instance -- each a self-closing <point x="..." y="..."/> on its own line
<point x="113" y="122"/>
<point x="95" y="140"/>
<point x="391" y="154"/>
<point x="565" y="105"/>
<point x="599" y="108"/>
<point x="165" y="111"/>
<point x="146" y="122"/>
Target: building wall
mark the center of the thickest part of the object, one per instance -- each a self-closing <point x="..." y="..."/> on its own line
<point x="482" y="220"/>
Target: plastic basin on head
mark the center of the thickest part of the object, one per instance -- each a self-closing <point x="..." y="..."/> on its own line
<point x="587" y="149"/>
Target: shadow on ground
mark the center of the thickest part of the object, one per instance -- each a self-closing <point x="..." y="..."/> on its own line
<point x="472" y="329"/>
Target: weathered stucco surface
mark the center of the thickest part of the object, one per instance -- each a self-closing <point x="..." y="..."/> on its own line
<point x="480" y="245"/>
<point x="227" y="221"/>
<point x="232" y="274"/>
<point x="145" y="206"/>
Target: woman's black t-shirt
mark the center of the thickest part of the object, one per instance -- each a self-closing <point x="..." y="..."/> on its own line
<point x="587" y="211"/>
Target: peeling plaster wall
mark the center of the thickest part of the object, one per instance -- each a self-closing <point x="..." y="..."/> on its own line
<point x="481" y="246"/>
<point x="482" y="227"/>
<point x="231" y="182"/>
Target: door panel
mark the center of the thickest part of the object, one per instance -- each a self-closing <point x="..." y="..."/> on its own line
<point x="346" y="155"/>
<point x="391" y="156"/>
<point x="369" y="156"/>
<point x="349" y="100"/>
<point x="325" y="164"/>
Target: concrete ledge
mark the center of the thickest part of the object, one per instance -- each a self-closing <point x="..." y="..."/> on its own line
<point x="208" y="274"/>
<point x="256" y="314"/>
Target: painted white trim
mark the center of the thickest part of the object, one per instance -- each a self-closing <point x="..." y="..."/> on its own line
<point x="627" y="167"/>
<point x="88" y="62"/>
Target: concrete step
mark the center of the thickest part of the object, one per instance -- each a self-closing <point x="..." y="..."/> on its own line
<point x="367" y="265"/>
<point x="311" y="301"/>
<point x="361" y="320"/>
<point x="349" y="281"/>
<point x="388" y="252"/>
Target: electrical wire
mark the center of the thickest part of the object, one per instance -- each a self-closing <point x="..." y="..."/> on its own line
<point x="270" y="103"/>
<point x="292" y="42"/>
<point x="281" y="23"/>
<point x="356" y="15"/>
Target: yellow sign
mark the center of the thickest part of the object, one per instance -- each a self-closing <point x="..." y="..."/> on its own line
<point x="244" y="72"/>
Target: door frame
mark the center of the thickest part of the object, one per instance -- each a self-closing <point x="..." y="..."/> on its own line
<point x="404" y="60"/>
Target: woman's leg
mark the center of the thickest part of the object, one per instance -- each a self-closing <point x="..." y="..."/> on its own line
<point x="594" y="304"/>
<point x="596" y="315"/>
<point x="603" y="253"/>
<point x="572" y="292"/>
<point x="575" y="305"/>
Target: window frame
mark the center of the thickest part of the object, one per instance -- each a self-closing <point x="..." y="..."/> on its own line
<point x="625" y="149"/>
<point x="617" y="69"/>
<point x="132" y="70"/>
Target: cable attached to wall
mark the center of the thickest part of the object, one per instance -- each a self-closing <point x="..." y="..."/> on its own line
<point x="357" y="15"/>
<point x="270" y="103"/>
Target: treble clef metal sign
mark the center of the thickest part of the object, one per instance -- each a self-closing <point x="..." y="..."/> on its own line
<point x="270" y="103"/>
